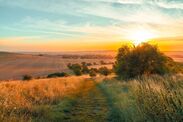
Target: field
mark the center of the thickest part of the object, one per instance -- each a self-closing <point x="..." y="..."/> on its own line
<point x="38" y="65"/>
<point x="91" y="61"/>
<point x="82" y="99"/>
<point x="60" y="99"/>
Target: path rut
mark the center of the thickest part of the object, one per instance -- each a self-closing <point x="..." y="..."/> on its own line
<point x="90" y="105"/>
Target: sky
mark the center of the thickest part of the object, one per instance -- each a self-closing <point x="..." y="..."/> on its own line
<point x="83" y="25"/>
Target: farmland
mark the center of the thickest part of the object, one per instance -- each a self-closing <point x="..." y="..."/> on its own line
<point x="14" y="66"/>
<point x="91" y="61"/>
<point x="40" y="65"/>
<point x="83" y="98"/>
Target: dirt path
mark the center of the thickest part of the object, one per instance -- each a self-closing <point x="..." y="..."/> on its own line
<point x="90" y="105"/>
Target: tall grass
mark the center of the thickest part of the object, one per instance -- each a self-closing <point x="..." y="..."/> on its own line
<point x="121" y="99"/>
<point x="161" y="104"/>
<point x="153" y="99"/>
<point x="148" y="98"/>
<point x="22" y="100"/>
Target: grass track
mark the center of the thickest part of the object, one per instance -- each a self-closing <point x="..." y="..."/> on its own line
<point x="90" y="105"/>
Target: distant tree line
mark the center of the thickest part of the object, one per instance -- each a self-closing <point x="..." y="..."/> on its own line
<point x="87" y="56"/>
<point x="78" y="70"/>
<point x="82" y="68"/>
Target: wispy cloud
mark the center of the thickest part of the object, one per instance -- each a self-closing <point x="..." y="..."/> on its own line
<point x="169" y="4"/>
<point x="88" y="21"/>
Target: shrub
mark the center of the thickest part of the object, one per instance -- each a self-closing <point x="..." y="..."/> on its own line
<point x="76" y="68"/>
<point x="144" y="59"/>
<point x="85" y="69"/>
<point x="69" y="65"/>
<point x="102" y="62"/>
<point x="92" y="73"/>
<point x="41" y="55"/>
<point x="83" y="63"/>
<point x="94" y="69"/>
<point x="104" y="71"/>
<point x="89" y="64"/>
<point x="174" y="67"/>
<point x="77" y="72"/>
<point x="94" y="63"/>
<point x="79" y="69"/>
<point x="53" y="75"/>
<point x="27" y="77"/>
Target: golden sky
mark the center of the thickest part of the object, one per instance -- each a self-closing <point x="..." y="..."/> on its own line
<point x="83" y="25"/>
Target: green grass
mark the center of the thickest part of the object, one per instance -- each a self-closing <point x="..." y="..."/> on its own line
<point x="151" y="98"/>
<point x="120" y="99"/>
<point x="52" y="113"/>
<point x="148" y="98"/>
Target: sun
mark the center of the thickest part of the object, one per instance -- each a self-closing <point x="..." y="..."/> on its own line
<point x="140" y="36"/>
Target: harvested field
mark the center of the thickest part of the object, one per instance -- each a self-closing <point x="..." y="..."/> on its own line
<point x="13" y="66"/>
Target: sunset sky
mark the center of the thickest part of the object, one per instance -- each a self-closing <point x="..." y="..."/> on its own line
<point x="68" y="25"/>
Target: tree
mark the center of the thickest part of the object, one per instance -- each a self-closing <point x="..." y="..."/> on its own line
<point x="94" y="63"/>
<point x="84" y="69"/>
<point x="76" y="68"/>
<point x="102" y="62"/>
<point x="27" y="77"/>
<point x="92" y="73"/>
<point x="69" y="65"/>
<point x="144" y="59"/>
<point x="83" y="63"/>
<point x="77" y="72"/>
<point x="104" y="71"/>
<point x="57" y="74"/>
<point x="95" y="69"/>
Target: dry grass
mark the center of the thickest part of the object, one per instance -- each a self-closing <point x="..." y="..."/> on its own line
<point x="18" y="98"/>
<point x="164" y="103"/>
<point x="152" y="98"/>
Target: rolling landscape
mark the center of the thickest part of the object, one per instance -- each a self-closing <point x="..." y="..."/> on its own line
<point x="39" y="66"/>
<point x="91" y="61"/>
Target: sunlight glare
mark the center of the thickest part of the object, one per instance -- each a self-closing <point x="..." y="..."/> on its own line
<point x="141" y="36"/>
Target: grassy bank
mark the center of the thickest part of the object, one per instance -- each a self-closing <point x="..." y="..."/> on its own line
<point x="152" y="98"/>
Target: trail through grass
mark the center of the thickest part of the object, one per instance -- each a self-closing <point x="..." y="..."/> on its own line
<point x="90" y="105"/>
<point x="84" y="99"/>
